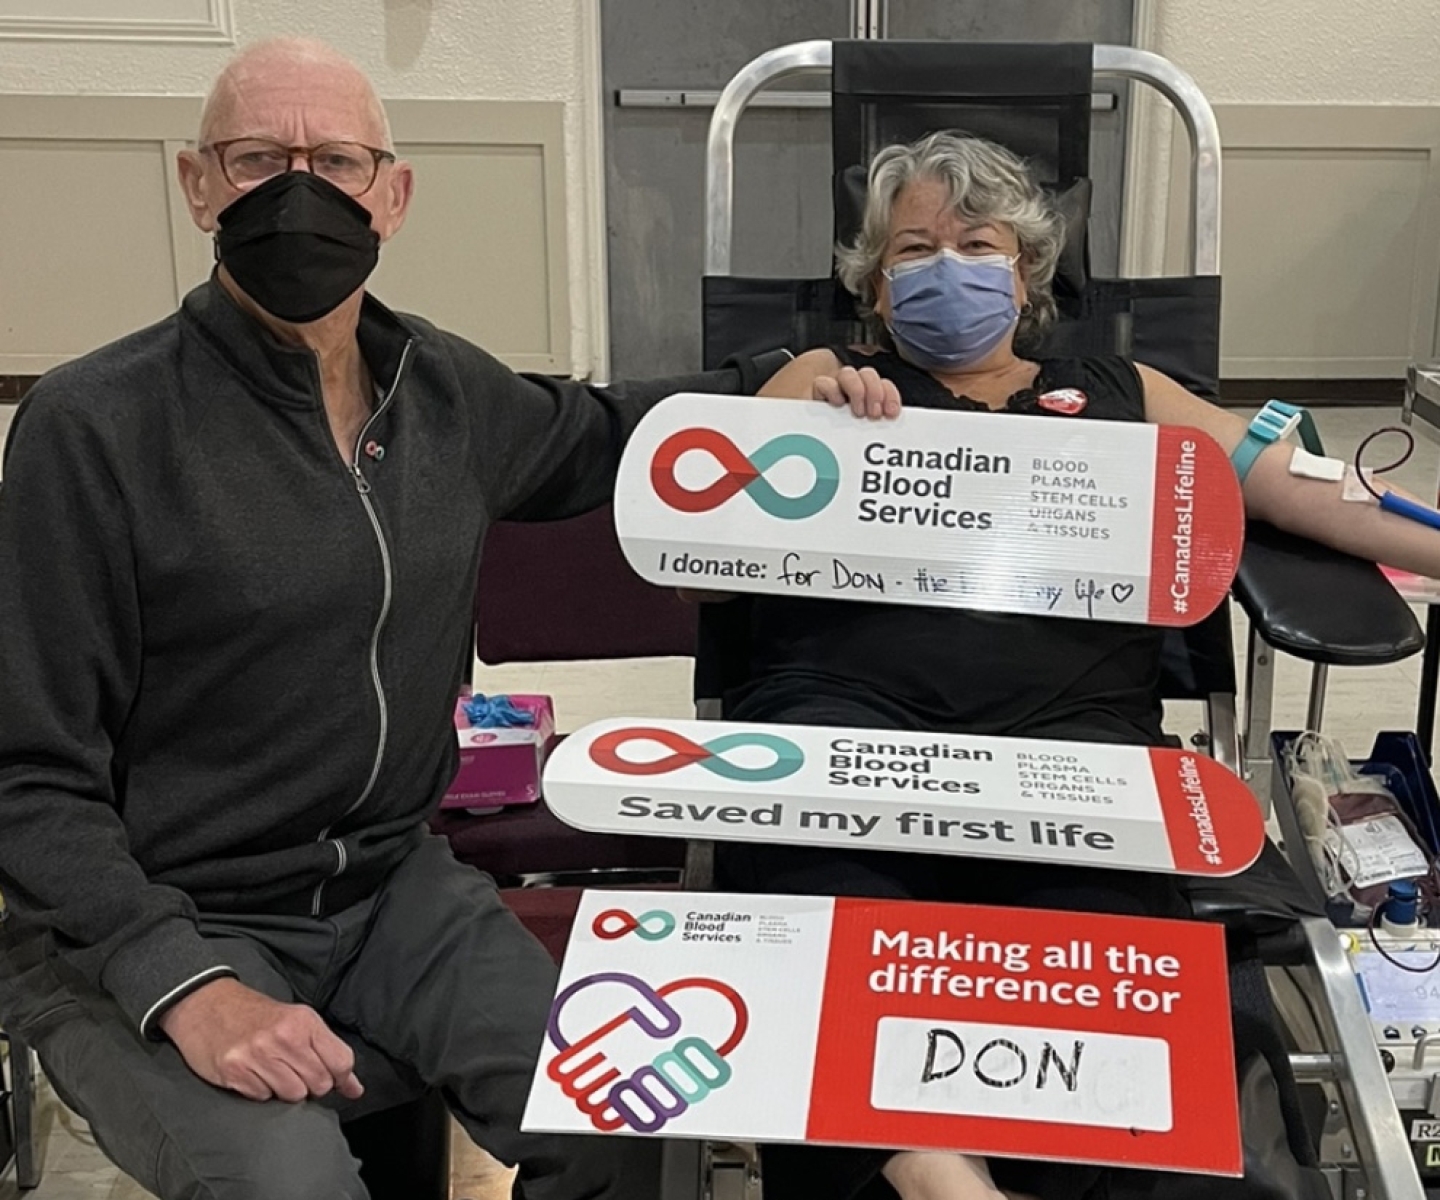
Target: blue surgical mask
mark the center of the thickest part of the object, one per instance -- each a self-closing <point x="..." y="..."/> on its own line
<point x="948" y="311"/>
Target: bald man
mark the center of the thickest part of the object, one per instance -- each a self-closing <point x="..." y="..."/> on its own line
<point x="237" y="560"/>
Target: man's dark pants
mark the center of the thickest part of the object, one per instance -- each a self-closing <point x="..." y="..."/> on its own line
<point x="433" y="981"/>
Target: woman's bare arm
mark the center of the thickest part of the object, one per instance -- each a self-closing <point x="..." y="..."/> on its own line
<point x="1310" y="508"/>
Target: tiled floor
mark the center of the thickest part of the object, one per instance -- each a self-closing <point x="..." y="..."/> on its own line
<point x="1360" y="702"/>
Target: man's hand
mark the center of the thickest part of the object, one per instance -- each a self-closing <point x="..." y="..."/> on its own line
<point x="934" y="1175"/>
<point x="863" y="391"/>
<point x="237" y="1038"/>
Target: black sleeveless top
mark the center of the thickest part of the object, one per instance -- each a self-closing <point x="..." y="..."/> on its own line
<point x="954" y="670"/>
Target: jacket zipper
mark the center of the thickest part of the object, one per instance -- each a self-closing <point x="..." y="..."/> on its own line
<point x="362" y="486"/>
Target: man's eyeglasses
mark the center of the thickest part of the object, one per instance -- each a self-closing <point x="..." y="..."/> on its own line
<point x="350" y="166"/>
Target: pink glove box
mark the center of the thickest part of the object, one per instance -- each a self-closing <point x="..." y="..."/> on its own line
<point x="501" y="767"/>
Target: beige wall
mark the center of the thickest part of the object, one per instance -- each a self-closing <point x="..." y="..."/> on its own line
<point x="473" y="50"/>
<point x="1272" y="66"/>
<point x="99" y="243"/>
<point x="1305" y="51"/>
<point x="1330" y="118"/>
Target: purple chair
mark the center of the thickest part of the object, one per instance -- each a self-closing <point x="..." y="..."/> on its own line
<point x="550" y="592"/>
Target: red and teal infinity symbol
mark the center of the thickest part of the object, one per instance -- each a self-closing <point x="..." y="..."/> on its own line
<point x="742" y="474"/>
<point x="789" y="758"/>
<point x="653" y="926"/>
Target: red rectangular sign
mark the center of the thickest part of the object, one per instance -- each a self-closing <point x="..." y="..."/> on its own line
<point x="1115" y="1029"/>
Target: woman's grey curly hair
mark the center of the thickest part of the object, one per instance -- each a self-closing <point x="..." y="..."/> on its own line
<point x="986" y="183"/>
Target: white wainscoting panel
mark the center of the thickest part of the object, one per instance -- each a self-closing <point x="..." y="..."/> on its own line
<point x="98" y="240"/>
<point x="1330" y="250"/>
<point x="92" y="246"/>
<point x="484" y="249"/>
<point x="109" y="20"/>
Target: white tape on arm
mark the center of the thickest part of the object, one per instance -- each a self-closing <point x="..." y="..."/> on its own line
<point x="1331" y="470"/>
<point x="1313" y="466"/>
<point x="1356" y="492"/>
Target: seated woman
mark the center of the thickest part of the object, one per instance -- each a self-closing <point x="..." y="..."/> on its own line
<point x="954" y="262"/>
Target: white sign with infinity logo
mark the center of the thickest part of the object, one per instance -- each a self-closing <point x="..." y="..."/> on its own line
<point x="1126" y="807"/>
<point x="1102" y="520"/>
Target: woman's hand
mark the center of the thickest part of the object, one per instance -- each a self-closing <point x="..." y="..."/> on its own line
<point x="933" y="1175"/>
<point x="863" y="391"/>
<point x="820" y="375"/>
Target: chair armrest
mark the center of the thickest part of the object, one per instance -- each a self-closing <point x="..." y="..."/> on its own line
<point x="1321" y="605"/>
<point x="756" y="369"/>
<point x="556" y="591"/>
<point x="530" y="840"/>
<point x="1264" y="900"/>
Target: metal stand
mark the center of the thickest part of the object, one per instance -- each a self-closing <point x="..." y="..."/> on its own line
<point x="29" y="1156"/>
<point x="1421" y="412"/>
<point x="1259" y="705"/>
<point x="1377" y="1153"/>
<point x="869" y="19"/>
<point x="1429" y="678"/>
<point x="1315" y="712"/>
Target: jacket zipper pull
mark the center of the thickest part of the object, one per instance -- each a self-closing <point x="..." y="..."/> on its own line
<point x="362" y="485"/>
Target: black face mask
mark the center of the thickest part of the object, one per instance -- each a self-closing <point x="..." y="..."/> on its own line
<point x="297" y="245"/>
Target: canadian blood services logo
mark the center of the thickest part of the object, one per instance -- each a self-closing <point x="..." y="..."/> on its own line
<point x="745" y="474"/>
<point x="645" y="1097"/>
<point x="605" y="752"/>
<point x="652" y="926"/>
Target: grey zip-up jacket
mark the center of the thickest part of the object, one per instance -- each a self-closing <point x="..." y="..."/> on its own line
<point x="228" y="657"/>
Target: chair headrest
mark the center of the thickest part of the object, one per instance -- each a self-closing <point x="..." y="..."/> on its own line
<point x="1033" y="98"/>
<point x="1072" y="272"/>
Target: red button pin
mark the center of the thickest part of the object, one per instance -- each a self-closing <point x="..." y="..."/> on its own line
<point x="1065" y="401"/>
